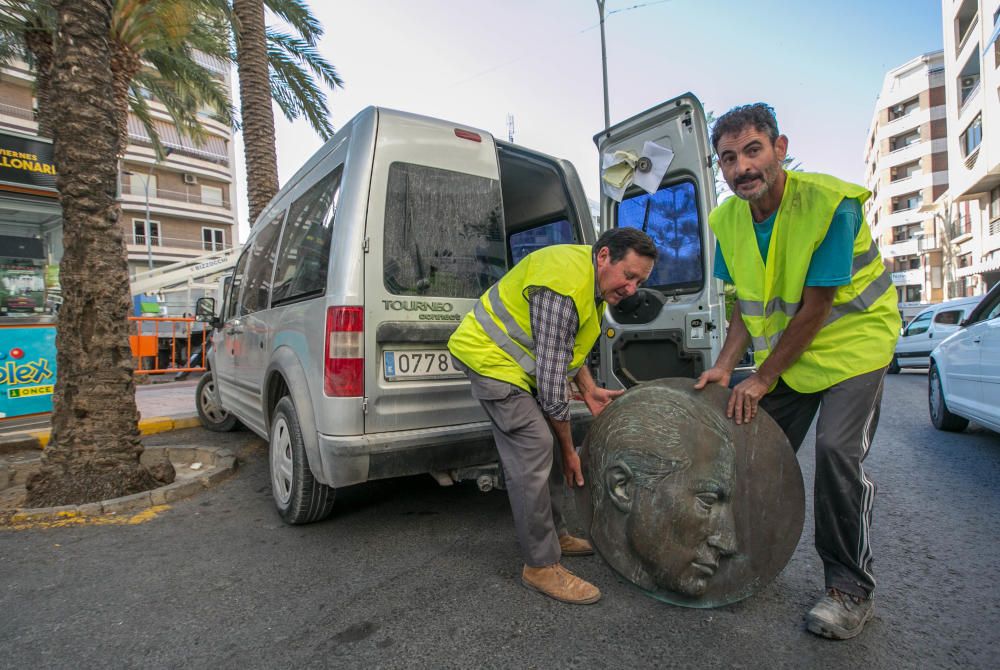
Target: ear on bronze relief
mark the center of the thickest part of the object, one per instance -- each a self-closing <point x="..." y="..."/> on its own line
<point x="620" y="485"/>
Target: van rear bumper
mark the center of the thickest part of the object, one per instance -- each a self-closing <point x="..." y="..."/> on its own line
<point x="353" y="459"/>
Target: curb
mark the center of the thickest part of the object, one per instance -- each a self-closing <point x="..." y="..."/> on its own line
<point x="39" y="439"/>
<point x="148" y="503"/>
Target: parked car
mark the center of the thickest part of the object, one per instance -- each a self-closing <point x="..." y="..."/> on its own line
<point x="331" y="340"/>
<point x="927" y="330"/>
<point x="964" y="378"/>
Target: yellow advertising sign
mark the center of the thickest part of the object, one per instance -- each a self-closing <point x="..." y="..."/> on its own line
<point x="29" y="391"/>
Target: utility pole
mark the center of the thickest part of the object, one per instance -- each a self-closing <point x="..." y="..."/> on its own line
<point x="604" y="66"/>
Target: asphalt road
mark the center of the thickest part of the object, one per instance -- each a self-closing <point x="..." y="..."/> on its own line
<point x="407" y="574"/>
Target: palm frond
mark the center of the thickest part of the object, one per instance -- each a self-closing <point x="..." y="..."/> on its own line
<point x="299" y="17"/>
<point x="303" y="53"/>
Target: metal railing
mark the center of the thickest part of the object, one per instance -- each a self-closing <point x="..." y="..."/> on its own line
<point x="164" y="345"/>
<point x="19" y="112"/>
<point x="162" y="243"/>
<point x="192" y="198"/>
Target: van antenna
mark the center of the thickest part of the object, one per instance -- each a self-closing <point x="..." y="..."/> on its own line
<point x="510" y="128"/>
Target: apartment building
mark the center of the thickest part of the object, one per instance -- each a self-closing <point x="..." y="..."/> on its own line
<point x="906" y="169"/>
<point x="970" y="211"/>
<point x="177" y="208"/>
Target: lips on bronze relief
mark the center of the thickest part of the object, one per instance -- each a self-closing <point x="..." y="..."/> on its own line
<point x="690" y="507"/>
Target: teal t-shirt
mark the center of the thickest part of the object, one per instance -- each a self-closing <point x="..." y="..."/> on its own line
<point x="830" y="264"/>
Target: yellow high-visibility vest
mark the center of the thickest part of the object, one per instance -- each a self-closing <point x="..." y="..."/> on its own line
<point x="495" y="338"/>
<point x="860" y="333"/>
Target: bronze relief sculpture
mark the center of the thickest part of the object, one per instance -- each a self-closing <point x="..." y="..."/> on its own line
<point x="685" y="504"/>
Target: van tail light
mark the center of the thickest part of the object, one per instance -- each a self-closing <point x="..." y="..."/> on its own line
<point x="344" y="368"/>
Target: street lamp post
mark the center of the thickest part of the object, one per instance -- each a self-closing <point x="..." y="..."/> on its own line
<point x="604" y="66"/>
<point x="147" y="227"/>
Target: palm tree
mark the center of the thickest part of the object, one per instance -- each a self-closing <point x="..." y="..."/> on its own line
<point x="95" y="446"/>
<point x="279" y="66"/>
<point x="165" y="34"/>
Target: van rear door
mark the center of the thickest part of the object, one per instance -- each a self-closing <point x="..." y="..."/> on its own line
<point x="674" y="327"/>
<point x="435" y="243"/>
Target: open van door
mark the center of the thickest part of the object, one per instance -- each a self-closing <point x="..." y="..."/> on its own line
<point x="675" y="325"/>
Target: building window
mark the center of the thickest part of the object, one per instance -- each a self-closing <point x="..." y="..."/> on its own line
<point x="903" y="108"/>
<point x="213" y="239"/>
<point x="137" y="184"/>
<point x="973" y="136"/>
<point x="905" y="171"/>
<point x="906" y="202"/>
<point x="911" y="294"/>
<point x="211" y="195"/>
<point x="965" y="260"/>
<point x="904" y="140"/>
<point x="995" y="201"/>
<point x="139" y="232"/>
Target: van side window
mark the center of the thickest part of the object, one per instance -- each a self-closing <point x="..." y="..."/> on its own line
<point x="257" y="281"/>
<point x="670" y="217"/>
<point x="524" y="242"/>
<point x="951" y="317"/>
<point x="919" y="325"/>
<point x="235" y="284"/>
<point x="304" y="253"/>
<point x="443" y="232"/>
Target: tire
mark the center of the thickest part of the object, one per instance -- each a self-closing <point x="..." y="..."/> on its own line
<point x="212" y="416"/>
<point x="297" y="495"/>
<point x="893" y="368"/>
<point x="940" y="416"/>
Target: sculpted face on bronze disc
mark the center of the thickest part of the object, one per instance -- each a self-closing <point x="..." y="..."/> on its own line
<point x="685" y="504"/>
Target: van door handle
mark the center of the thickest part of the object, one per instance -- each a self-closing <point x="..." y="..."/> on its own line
<point x="977" y="339"/>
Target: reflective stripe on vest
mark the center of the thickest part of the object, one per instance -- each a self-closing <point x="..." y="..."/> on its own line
<point x="863" y="301"/>
<point x="502" y="339"/>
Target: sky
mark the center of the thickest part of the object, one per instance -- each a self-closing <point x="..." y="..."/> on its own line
<point x="820" y="64"/>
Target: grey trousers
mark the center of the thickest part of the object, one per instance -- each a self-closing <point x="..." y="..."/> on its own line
<point x="843" y="494"/>
<point x="532" y="466"/>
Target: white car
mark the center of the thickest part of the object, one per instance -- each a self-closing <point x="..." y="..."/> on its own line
<point x="927" y="330"/>
<point x="964" y="377"/>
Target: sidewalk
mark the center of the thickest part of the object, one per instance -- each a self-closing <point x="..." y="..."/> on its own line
<point x="162" y="407"/>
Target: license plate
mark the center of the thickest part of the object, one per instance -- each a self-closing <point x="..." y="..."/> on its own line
<point x="419" y="364"/>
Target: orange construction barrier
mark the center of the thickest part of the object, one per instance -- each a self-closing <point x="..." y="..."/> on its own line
<point x="178" y="335"/>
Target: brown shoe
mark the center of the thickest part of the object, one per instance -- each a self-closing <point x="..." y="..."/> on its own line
<point x="557" y="582"/>
<point x="575" y="546"/>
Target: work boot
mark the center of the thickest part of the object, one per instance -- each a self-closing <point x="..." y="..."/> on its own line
<point x="839" y="615"/>
<point x="575" y="546"/>
<point x="557" y="582"/>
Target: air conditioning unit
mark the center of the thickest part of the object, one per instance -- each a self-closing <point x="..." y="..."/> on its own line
<point x="190" y="178"/>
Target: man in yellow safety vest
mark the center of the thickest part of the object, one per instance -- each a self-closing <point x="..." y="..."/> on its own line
<point x="815" y="300"/>
<point x="525" y="336"/>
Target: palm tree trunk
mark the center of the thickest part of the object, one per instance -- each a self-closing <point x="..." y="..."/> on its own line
<point x="95" y="448"/>
<point x="255" y="105"/>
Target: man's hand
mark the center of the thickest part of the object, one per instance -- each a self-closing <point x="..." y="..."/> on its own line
<point x="597" y="399"/>
<point x="713" y="375"/>
<point x="572" y="469"/>
<point x="745" y="397"/>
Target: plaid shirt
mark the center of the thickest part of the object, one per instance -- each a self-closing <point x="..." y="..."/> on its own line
<point x="554" y="323"/>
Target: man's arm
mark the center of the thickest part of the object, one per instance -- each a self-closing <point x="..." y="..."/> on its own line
<point x="554" y="323"/>
<point x="807" y="322"/>
<point x="597" y="398"/>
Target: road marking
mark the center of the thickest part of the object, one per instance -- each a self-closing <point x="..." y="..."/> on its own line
<point x="31" y="520"/>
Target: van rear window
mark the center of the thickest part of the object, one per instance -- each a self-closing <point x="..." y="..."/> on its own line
<point x="670" y="217"/>
<point x="443" y="232"/>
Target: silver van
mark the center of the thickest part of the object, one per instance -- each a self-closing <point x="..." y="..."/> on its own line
<point x="927" y="330"/>
<point x="331" y="339"/>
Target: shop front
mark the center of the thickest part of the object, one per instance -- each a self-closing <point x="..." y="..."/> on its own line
<point x="30" y="250"/>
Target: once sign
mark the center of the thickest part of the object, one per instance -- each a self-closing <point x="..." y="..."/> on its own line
<point x="690" y="507"/>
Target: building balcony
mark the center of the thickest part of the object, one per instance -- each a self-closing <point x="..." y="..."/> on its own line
<point x="135" y="206"/>
<point x="164" y="247"/>
<point x="906" y="248"/>
<point x="908" y="278"/>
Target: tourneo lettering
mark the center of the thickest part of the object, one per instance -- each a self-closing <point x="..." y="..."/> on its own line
<point x="417" y="306"/>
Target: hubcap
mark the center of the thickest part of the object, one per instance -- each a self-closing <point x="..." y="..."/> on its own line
<point x="281" y="461"/>
<point x="214" y="413"/>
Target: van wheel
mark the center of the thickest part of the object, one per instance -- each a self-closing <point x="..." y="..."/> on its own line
<point x="940" y="416"/>
<point x="297" y="495"/>
<point x="893" y="368"/>
<point x="211" y="415"/>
